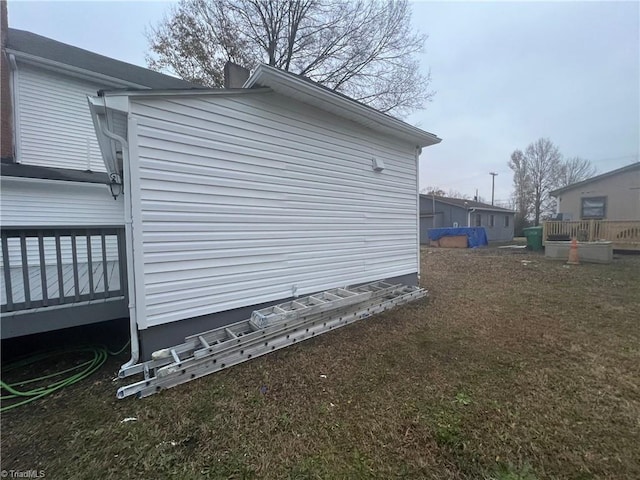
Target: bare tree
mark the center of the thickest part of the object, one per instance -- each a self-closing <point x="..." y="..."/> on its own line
<point x="522" y="186"/>
<point x="440" y="192"/>
<point x="544" y="165"/>
<point x="537" y="171"/>
<point x="365" y="49"/>
<point x="437" y="191"/>
<point x="575" y="170"/>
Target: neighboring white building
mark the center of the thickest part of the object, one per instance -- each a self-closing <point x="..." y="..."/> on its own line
<point x="53" y="131"/>
<point x="53" y="179"/>
<point x="246" y="197"/>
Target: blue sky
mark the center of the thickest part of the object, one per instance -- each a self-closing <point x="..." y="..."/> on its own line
<point x="505" y="74"/>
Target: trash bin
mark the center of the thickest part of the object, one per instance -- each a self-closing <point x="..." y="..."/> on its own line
<point x="534" y="238"/>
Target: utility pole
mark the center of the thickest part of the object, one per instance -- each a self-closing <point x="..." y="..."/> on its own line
<point x="433" y="208"/>
<point x="493" y="184"/>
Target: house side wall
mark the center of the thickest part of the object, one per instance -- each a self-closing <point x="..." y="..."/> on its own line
<point x="622" y="192"/>
<point x="54" y="127"/>
<point x="31" y="202"/>
<point x="256" y="198"/>
<point x="497" y="233"/>
<point x="447" y="215"/>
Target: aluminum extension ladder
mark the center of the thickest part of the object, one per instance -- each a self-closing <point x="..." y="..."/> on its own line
<point x="268" y="329"/>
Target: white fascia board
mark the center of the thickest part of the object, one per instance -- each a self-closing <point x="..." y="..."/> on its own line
<point x="178" y="92"/>
<point x="307" y="92"/>
<point x="117" y="103"/>
<point x="71" y="70"/>
<point x="101" y="104"/>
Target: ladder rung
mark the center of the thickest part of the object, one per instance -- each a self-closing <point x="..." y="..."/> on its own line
<point x="346" y="293"/>
<point x="172" y="375"/>
<point x="175" y="356"/>
<point x="272" y="321"/>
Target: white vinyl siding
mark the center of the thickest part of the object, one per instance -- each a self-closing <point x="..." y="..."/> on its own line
<point x="53" y="120"/>
<point x="47" y="203"/>
<point x="251" y="198"/>
<point x="33" y="202"/>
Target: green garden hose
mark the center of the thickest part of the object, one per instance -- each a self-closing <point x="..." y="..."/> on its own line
<point x="66" y="377"/>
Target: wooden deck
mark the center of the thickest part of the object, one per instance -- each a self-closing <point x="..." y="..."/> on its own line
<point x="625" y="235"/>
<point x="68" y="283"/>
<point x="56" y="277"/>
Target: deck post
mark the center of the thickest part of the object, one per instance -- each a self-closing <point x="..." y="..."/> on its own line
<point x="122" y="263"/>
<point x="6" y="266"/>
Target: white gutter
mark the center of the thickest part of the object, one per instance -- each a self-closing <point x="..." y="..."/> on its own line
<point x="181" y="92"/>
<point x="70" y="69"/>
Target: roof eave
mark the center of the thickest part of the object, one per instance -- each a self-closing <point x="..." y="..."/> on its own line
<point x="469" y="207"/>
<point x="71" y="69"/>
<point x="573" y="186"/>
<point x="330" y="101"/>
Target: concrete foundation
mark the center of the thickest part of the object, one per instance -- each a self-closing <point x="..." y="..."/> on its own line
<point x="590" y="252"/>
<point x="170" y="334"/>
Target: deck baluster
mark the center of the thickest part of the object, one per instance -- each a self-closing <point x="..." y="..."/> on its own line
<point x="104" y="263"/>
<point x="25" y="270"/>
<point x="74" y="255"/>
<point x="43" y="270"/>
<point x="59" y="269"/>
<point x="90" y="266"/>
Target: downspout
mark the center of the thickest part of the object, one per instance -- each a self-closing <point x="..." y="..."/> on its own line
<point x="469" y="212"/>
<point x="15" y="99"/>
<point x="417" y="155"/>
<point x="128" y="223"/>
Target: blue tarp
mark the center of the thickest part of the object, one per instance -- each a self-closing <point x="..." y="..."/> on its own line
<point x="476" y="236"/>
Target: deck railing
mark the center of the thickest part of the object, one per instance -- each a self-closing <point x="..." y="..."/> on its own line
<point x="46" y="266"/>
<point x="625" y="235"/>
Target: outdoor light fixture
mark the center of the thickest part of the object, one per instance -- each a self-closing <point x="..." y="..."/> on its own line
<point x="115" y="186"/>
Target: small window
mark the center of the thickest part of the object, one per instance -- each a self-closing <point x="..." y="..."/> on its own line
<point x="506" y="220"/>
<point x="594" y="207"/>
<point x="492" y="220"/>
<point x="478" y="220"/>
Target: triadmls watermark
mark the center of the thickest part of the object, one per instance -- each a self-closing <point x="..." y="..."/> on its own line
<point x="23" y="474"/>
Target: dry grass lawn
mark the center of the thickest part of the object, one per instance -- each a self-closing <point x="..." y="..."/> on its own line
<point x="509" y="371"/>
